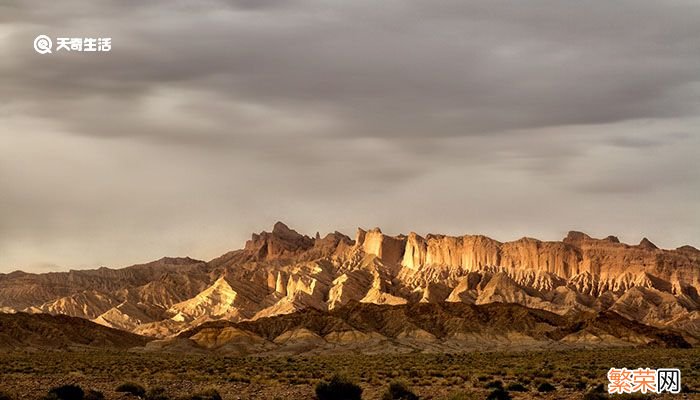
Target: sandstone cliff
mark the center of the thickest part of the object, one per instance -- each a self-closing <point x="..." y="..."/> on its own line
<point x="283" y="271"/>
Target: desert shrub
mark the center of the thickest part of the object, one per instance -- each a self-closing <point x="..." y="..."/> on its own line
<point x="156" y="393"/>
<point x="463" y="396"/>
<point x="338" y="388"/>
<point x="208" y="394"/>
<point x="437" y="373"/>
<point x="596" y="393"/>
<point x="93" y="395"/>
<point x="595" y="396"/>
<point x="545" y="387"/>
<point x="240" y="378"/>
<point x="494" y="385"/>
<point x="66" y="392"/>
<point x="516" y="387"/>
<point x="686" y="389"/>
<point x="543" y="374"/>
<point x="599" y="388"/>
<point x="399" y="391"/>
<point x="131" y="388"/>
<point x="499" y="394"/>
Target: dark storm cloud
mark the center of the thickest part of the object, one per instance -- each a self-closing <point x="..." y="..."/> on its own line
<point x="354" y="106"/>
<point x="394" y="70"/>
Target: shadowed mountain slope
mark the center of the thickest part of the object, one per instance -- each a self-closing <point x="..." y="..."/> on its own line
<point x="23" y="330"/>
<point x="421" y="326"/>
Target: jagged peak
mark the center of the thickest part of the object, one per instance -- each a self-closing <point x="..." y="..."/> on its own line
<point x="612" y="239"/>
<point x="576" y="237"/>
<point x="279" y="230"/>
<point x="413" y="236"/>
<point x="647" y="244"/>
<point x="360" y="236"/>
<point x="688" y="248"/>
<point x="333" y="237"/>
<point x="282" y="230"/>
<point x="221" y="281"/>
<point x="220" y="285"/>
<point x="281" y="242"/>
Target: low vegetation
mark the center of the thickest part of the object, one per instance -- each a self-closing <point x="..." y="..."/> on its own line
<point x="208" y="394"/>
<point x="93" y="395"/>
<point x="131" y="388"/>
<point x="338" y="388"/>
<point x="574" y="375"/>
<point x="499" y="394"/>
<point x="156" y="393"/>
<point x="546" y="387"/>
<point x="516" y="387"/>
<point x="399" y="391"/>
<point x="65" y="392"/>
<point x="494" y="385"/>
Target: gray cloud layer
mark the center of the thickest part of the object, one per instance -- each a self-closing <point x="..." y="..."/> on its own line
<point x="206" y="122"/>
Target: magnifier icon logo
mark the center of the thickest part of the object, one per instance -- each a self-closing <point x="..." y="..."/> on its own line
<point x="43" y="44"/>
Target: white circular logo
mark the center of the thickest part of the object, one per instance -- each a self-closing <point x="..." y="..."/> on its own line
<point x="43" y="44"/>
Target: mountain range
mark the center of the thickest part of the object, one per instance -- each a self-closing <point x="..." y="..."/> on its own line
<point x="440" y="292"/>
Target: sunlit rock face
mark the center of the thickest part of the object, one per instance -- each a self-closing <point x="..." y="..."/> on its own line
<point x="593" y="266"/>
<point x="387" y="248"/>
<point x="282" y="271"/>
<point x="464" y="253"/>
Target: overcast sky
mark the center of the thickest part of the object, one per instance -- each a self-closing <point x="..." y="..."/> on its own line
<point x="209" y="120"/>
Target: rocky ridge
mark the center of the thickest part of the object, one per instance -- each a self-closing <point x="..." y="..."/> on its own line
<point x="282" y="272"/>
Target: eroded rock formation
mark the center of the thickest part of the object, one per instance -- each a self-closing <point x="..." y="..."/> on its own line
<point x="282" y="272"/>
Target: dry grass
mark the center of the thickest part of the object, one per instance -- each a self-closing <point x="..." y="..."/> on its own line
<point x="27" y="375"/>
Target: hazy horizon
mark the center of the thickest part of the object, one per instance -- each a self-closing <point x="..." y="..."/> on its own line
<point x="206" y="123"/>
